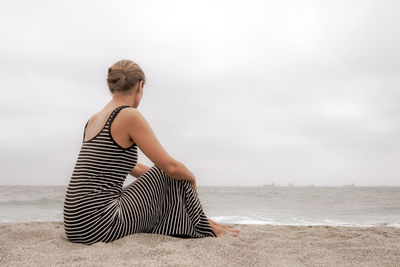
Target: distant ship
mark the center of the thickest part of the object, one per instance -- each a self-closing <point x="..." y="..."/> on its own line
<point x="269" y="185"/>
<point x="349" y="185"/>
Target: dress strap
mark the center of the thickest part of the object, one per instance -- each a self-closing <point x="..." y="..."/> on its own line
<point x="108" y="122"/>
<point x="114" y="114"/>
<point x="84" y="131"/>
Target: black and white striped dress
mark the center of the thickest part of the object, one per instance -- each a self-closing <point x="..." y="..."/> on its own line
<point x="98" y="208"/>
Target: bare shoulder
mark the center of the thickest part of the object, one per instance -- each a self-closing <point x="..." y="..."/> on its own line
<point x="131" y="114"/>
<point x="93" y="117"/>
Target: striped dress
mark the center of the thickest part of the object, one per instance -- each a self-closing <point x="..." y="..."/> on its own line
<point x="97" y="208"/>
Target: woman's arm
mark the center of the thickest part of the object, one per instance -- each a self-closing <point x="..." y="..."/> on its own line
<point x="141" y="132"/>
<point x="138" y="170"/>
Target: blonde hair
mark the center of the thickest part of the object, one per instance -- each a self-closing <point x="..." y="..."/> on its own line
<point x="124" y="75"/>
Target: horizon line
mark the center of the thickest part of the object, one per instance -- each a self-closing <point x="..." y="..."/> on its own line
<point x="267" y="186"/>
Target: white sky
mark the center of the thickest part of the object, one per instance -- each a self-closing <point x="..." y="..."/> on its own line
<point x="241" y="92"/>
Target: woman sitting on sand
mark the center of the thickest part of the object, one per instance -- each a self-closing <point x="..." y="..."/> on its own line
<point x="163" y="200"/>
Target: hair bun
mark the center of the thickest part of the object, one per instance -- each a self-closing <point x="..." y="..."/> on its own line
<point x="116" y="78"/>
<point x="124" y="75"/>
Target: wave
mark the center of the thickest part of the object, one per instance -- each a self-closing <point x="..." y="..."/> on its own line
<point x="34" y="202"/>
<point x="298" y="222"/>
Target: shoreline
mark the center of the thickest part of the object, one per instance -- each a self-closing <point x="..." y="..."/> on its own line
<point x="392" y="225"/>
<point x="45" y="244"/>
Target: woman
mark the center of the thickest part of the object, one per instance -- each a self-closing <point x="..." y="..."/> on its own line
<point x="163" y="200"/>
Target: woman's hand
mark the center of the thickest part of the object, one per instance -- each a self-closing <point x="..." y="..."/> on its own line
<point x="138" y="170"/>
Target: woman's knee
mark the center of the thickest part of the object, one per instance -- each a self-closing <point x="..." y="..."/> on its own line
<point x="165" y="175"/>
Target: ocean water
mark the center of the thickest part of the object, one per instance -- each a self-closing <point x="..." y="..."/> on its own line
<point x="282" y="205"/>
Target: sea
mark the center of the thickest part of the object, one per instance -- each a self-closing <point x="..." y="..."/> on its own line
<point x="276" y="205"/>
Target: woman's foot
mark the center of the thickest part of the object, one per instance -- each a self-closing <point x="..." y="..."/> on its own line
<point x="219" y="229"/>
<point x="225" y="227"/>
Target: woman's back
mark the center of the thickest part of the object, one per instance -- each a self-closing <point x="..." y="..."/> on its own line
<point x="96" y="183"/>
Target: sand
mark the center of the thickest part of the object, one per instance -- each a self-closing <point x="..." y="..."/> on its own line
<point x="45" y="244"/>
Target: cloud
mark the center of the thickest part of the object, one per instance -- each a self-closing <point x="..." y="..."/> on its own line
<point x="247" y="94"/>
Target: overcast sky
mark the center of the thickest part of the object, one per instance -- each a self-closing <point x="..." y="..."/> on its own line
<point x="241" y="92"/>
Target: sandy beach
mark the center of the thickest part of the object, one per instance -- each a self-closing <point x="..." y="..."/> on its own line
<point x="45" y="244"/>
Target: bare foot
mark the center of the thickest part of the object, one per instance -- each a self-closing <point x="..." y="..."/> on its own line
<point x="228" y="228"/>
<point x="218" y="230"/>
<point x="234" y="234"/>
